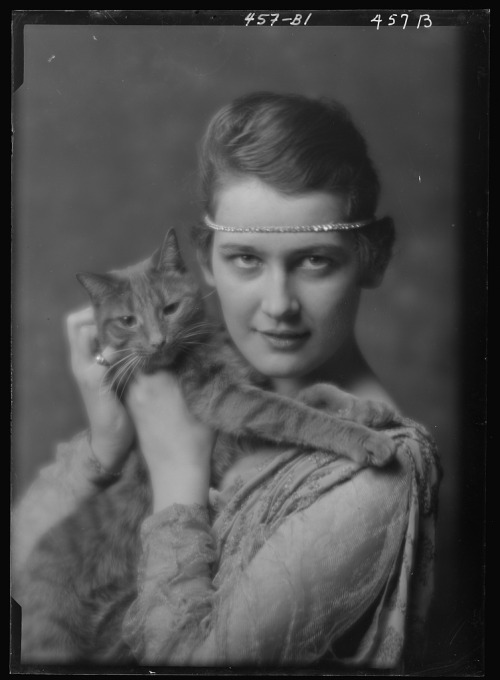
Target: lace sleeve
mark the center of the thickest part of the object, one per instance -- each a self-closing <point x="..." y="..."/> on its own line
<point x="311" y="580"/>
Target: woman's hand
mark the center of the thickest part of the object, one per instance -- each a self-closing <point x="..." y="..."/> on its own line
<point x="176" y="446"/>
<point x="111" y="429"/>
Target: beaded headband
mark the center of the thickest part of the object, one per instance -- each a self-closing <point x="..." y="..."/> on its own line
<point x="329" y="226"/>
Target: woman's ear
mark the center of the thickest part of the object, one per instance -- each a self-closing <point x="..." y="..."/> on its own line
<point x="372" y="278"/>
<point x="376" y="252"/>
<point x="206" y="268"/>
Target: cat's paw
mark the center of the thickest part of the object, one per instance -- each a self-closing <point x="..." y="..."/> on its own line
<point x="378" y="449"/>
<point x="375" y="449"/>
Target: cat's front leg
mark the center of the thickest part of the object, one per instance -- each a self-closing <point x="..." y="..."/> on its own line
<point x="359" y="420"/>
<point x="369" y="412"/>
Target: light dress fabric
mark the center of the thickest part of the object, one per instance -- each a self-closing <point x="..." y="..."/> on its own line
<point x="299" y="558"/>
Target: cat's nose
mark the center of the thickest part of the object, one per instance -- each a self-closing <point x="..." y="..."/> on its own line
<point x="157" y="342"/>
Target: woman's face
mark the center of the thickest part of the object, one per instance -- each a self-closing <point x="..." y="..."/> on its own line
<point x="289" y="300"/>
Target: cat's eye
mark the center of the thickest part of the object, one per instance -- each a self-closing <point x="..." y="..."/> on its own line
<point x="170" y="308"/>
<point x="127" y="321"/>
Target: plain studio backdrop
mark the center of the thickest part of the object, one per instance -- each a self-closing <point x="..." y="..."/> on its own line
<point x="106" y="127"/>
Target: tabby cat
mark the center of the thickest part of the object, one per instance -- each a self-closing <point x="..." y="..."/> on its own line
<point x="152" y="315"/>
<point x="81" y="576"/>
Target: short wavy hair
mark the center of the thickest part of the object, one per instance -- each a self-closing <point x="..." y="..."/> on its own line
<point x="296" y="145"/>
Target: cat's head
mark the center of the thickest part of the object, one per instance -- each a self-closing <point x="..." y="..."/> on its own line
<point x="151" y="312"/>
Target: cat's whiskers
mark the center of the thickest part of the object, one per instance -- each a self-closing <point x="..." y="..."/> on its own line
<point x="140" y="362"/>
<point x="123" y="349"/>
<point x="203" y="324"/>
<point x="112" y="369"/>
<point x="211" y="292"/>
<point x="131" y="351"/>
<point x="194" y="331"/>
<point x="194" y="336"/>
<point x="103" y="386"/>
<point x="115" y="369"/>
<point x="124" y="372"/>
<point x="131" y="355"/>
<point x="184" y="344"/>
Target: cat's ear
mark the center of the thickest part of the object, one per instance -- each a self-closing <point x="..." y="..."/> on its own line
<point x="98" y="286"/>
<point x="169" y="257"/>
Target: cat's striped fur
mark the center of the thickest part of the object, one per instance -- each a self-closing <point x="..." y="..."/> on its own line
<point x="81" y="577"/>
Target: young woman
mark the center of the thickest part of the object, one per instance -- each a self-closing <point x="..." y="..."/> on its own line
<point x="297" y="557"/>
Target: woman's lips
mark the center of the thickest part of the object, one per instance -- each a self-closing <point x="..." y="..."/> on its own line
<point x="285" y="340"/>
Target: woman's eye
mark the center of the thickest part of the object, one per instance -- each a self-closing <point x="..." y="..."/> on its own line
<point x="170" y="308"/>
<point x="246" y="261"/>
<point x="316" y="262"/>
<point x="127" y="321"/>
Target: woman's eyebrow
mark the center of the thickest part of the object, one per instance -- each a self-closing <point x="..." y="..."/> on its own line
<point x="232" y="248"/>
<point x="331" y="250"/>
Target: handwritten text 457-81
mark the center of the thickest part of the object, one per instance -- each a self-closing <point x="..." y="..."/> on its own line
<point x="276" y="18"/>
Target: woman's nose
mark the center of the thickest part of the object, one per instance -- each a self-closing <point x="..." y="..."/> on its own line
<point x="278" y="298"/>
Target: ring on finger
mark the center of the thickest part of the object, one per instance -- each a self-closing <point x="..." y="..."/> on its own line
<point x="101" y="360"/>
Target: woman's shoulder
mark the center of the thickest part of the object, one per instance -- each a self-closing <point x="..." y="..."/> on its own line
<point x="412" y="435"/>
<point x="417" y="446"/>
<point x="369" y="387"/>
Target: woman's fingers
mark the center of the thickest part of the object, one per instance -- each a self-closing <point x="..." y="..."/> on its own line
<point x="84" y="346"/>
<point x="78" y="318"/>
<point x="86" y="342"/>
<point x="148" y="390"/>
<point x="81" y="328"/>
<point x="111" y="430"/>
<point x="170" y="436"/>
<point x="109" y="354"/>
<point x="82" y="335"/>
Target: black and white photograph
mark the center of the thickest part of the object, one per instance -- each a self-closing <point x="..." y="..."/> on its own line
<point x="248" y="347"/>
